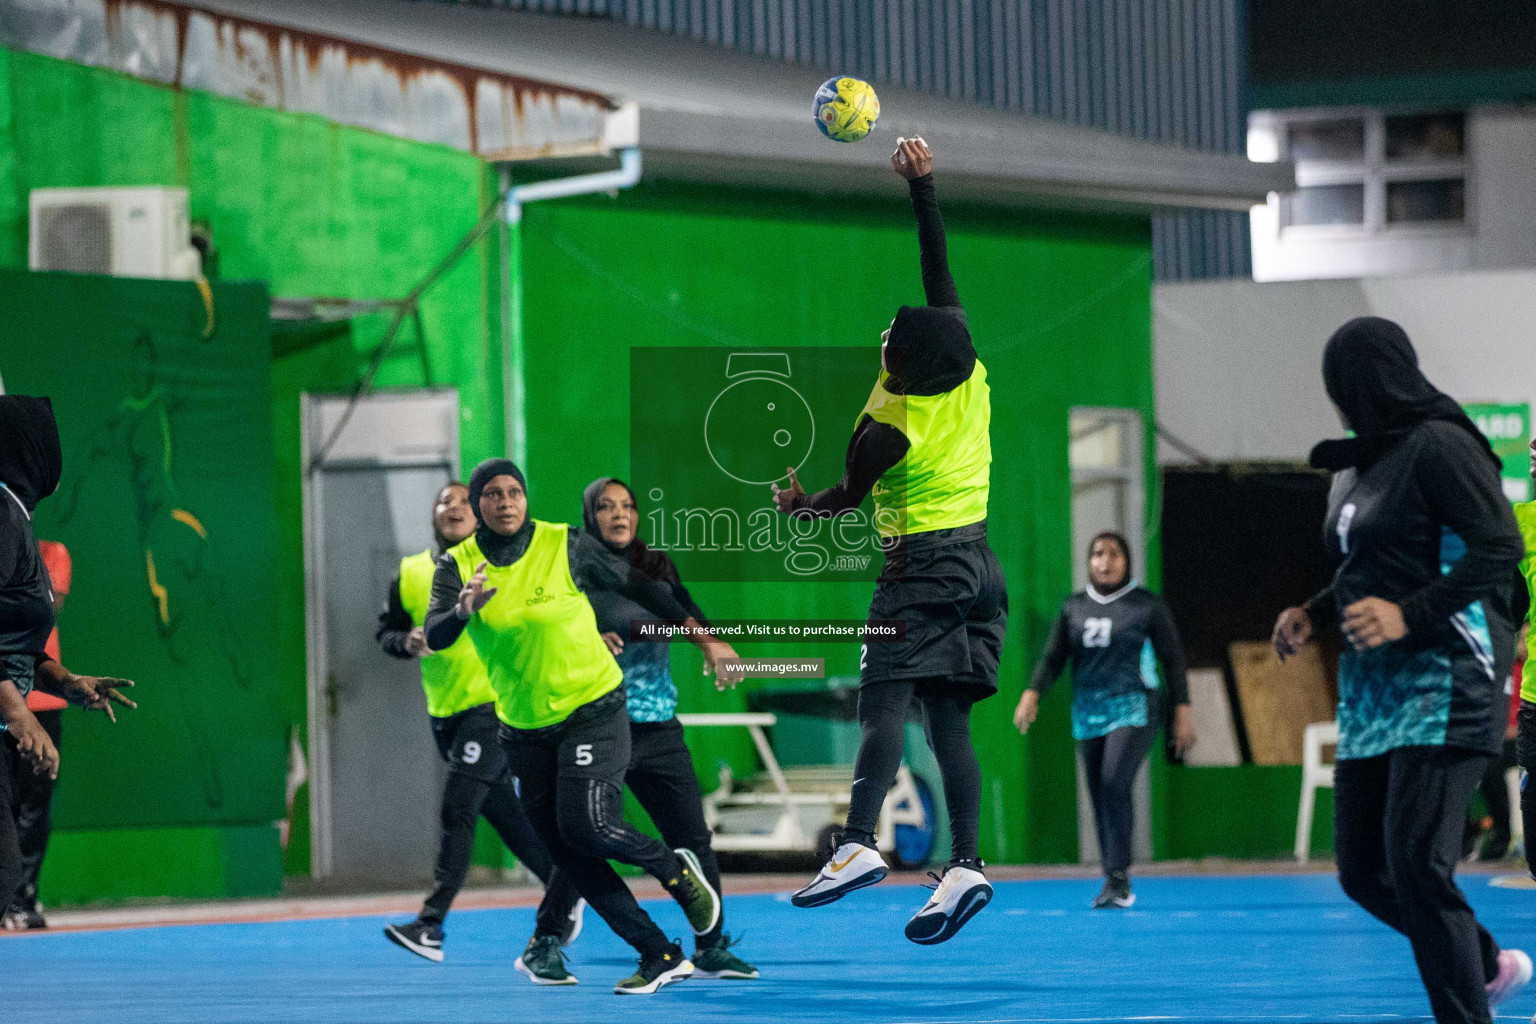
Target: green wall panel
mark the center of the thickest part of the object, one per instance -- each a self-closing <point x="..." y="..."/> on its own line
<point x="1059" y="307"/>
<point x="1243" y="811"/>
<point x="192" y="863"/>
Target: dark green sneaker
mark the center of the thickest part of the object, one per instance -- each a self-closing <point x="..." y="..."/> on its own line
<point x="718" y="961"/>
<point x="694" y="893"/>
<point x="656" y="971"/>
<point x="544" y="962"/>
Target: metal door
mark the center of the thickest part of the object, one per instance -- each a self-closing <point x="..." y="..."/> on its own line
<point x="376" y="775"/>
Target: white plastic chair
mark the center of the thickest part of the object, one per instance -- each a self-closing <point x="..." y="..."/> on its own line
<point x="1314" y="774"/>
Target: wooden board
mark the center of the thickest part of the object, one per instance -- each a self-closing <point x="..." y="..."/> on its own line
<point x="1280" y="699"/>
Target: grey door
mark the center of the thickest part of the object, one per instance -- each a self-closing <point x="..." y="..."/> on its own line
<point x="385" y="774"/>
<point x="376" y="777"/>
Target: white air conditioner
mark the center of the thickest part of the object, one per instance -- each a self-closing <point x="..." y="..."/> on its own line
<point x="124" y="232"/>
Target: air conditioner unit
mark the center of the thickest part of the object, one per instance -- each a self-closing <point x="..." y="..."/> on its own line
<point x="125" y="232"/>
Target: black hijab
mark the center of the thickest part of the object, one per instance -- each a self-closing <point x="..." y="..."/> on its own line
<point x="611" y="565"/>
<point x="31" y="460"/>
<point x="1372" y="374"/>
<point x="928" y="351"/>
<point x="1125" y="549"/>
<point x="501" y="549"/>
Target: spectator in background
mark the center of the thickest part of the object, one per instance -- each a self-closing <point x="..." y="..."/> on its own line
<point x="34" y="792"/>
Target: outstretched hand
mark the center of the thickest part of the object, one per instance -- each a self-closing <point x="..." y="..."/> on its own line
<point x="98" y="693"/>
<point x="912" y="158"/>
<point x="475" y="594"/>
<point x="784" y="497"/>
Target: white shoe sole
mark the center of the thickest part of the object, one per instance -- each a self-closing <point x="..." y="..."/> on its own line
<point x="433" y="953"/>
<point x="527" y="972"/>
<point x="577" y="913"/>
<point x="831" y="894"/>
<point x="725" y="976"/>
<point x="932" y="929"/>
<point x="692" y="860"/>
<point x="682" y="972"/>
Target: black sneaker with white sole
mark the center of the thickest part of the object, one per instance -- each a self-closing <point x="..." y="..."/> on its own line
<point x="572" y="926"/>
<point x="1116" y="894"/>
<point x="420" y="937"/>
<point x="543" y="962"/>
<point x="655" y="971"/>
<point x="958" y="897"/>
<point x="693" y="892"/>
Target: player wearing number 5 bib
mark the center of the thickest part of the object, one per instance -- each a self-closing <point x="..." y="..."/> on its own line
<point x="461" y="704"/>
<point x="1115" y="633"/>
<point x="560" y="699"/>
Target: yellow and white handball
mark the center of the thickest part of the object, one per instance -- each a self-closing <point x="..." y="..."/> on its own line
<point x="846" y="109"/>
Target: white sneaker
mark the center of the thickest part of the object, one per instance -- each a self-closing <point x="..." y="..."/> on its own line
<point x="1514" y="974"/>
<point x="958" y="897"/>
<point x="853" y="866"/>
<point x="573" y="923"/>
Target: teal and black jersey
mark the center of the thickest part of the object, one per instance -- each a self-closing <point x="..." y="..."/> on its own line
<point x="1427" y="527"/>
<point x="1115" y="642"/>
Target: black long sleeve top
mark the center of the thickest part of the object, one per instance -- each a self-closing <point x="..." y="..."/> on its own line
<point x="876" y="447"/>
<point x="443" y="623"/>
<point x="1105" y="636"/>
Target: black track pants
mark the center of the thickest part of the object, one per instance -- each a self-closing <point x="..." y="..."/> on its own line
<point x="662" y="778"/>
<point x="34" y="814"/>
<point x="947" y="723"/>
<point x="1111" y="762"/>
<point x="465" y="799"/>
<point x="572" y="778"/>
<point x="1398" y="821"/>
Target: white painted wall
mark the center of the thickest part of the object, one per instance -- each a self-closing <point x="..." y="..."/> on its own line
<point x="1500" y="230"/>
<point x="1239" y="363"/>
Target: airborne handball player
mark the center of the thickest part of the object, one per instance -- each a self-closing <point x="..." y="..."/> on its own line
<point x="922" y="446"/>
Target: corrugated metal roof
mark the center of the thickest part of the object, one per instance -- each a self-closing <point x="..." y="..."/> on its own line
<point x="394" y="91"/>
<point x="1164" y="70"/>
<point x="707" y="113"/>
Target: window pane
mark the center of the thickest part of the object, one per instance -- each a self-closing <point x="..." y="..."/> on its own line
<point x="1410" y="202"/>
<point x="1426" y="136"/>
<point x="1342" y="139"/>
<point x="1326" y="204"/>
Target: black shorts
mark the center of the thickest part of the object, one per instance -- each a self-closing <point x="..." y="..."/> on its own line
<point x="468" y="742"/>
<point x="1525" y="739"/>
<point x="948" y="588"/>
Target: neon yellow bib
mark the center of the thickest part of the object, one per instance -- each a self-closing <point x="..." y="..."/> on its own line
<point x="538" y="636"/>
<point x="943" y="480"/>
<point x="455" y="679"/>
<point x="1525" y="515"/>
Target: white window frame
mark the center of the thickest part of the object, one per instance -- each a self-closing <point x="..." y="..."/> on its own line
<point x="1373" y="171"/>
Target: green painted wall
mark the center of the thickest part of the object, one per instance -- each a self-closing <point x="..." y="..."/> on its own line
<point x="1060" y="310"/>
<point x="311" y="208"/>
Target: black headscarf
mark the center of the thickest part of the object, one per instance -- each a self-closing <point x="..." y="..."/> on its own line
<point x="613" y="565"/>
<point x="1125" y="549"/>
<point x="928" y="351"/>
<point x="437" y="535"/>
<point x="31" y="460"/>
<point x="484" y="474"/>
<point x="1372" y="374"/>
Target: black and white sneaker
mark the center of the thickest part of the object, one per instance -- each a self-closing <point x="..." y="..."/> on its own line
<point x="420" y="937"/>
<point x="655" y="971"/>
<point x="1116" y="894"/>
<point x="853" y="866"/>
<point x="573" y="923"/>
<point x="958" y="897"/>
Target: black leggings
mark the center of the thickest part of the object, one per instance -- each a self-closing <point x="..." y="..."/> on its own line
<point x="947" y="723"/>
<point x="1525" y="754"/>
<point x="34" y="813"/>
<point x="1111" y="763"/>
<point x="662" y="778"/>
<point x="11" y="871"/>
<point x="465" y="798"/>
<point x="1398" y="821"/>
<point x="572" y="777"/>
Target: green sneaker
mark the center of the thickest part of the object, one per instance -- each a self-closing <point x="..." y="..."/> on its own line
<point x="544" y="962"/>
<point x="718" y="961"/>
<point x="693" y="893"/>
<point x="656" y="971"/>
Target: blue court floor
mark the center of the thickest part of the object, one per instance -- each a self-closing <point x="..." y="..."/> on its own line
<point x="1201" y="949"/>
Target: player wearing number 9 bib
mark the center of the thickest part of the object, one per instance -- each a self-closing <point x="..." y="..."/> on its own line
<point x="460" y="702"/>
<point x="560" y="698"/>
<point x="1115" y="632"/>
